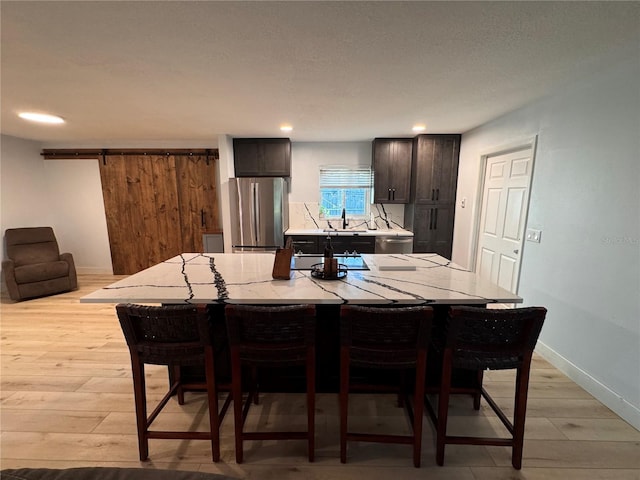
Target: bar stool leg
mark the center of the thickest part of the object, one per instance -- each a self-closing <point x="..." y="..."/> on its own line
<point x="214" y="421"/>
<point x="477" y="396"/>
<point x="418" y="402"/>
<point x="140" y="398"/>
<point x="344" y="401"/>
<point x="311" y="401"/>
<point x="236" y="392"/>
<point x="443" y="407"/>
<point x="519" y="415"/>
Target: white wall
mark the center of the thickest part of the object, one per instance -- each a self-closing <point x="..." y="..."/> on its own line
<point x="63" y="194"/>
<point x="23" y="194"/>
<point x="225" y="172"/>
<point x="585" y="199"/>
<point x="308" y="157"/>
<point x="78" y="216"/>
<point x="306" y="160"/>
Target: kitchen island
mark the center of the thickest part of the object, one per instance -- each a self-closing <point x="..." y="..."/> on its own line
<point x="245" y="278"/>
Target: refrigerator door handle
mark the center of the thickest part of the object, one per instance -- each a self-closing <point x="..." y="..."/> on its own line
<point x="241" y="210"/>
<point x="256" y="213"/>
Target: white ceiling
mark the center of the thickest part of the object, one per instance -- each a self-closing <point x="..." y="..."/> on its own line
<point x="121" y="71"/>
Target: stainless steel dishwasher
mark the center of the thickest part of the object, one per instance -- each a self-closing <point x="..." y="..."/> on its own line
<point x="394" y="244"/>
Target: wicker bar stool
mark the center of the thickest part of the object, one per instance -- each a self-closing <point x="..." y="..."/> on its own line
<point x="384" y="338"/>
<point x="479" y="339"/>
<point x="175" y="336"/>
<point x="271" y="336"/>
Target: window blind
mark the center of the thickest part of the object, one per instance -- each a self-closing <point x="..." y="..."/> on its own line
<point x="345" y="177"/>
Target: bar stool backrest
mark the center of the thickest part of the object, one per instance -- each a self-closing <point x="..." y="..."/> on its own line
<point x="271" y="335"/>
<point x="167" y="335"/>
<point x="492" y="338"/>
<point x="385" y="337"/>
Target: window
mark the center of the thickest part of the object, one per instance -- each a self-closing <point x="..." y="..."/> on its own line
<point x="345" y="187"/>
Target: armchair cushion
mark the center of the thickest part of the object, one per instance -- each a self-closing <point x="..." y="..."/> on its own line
<point x="38" y="272"/>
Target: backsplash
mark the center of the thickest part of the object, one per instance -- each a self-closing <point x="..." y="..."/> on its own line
<point x="305" y="215"/>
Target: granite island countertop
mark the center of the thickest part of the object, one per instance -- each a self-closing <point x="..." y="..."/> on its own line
<point x="245" y="278"/>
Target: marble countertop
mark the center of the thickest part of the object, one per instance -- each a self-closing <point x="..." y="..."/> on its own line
<point x="388" y="232"/>
<point x="246" y="278"/>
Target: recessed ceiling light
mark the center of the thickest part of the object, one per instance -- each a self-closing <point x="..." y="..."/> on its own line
<point x="419" y="128"/>
<point x="40" y="117"/>
<point x="286" y="128"/>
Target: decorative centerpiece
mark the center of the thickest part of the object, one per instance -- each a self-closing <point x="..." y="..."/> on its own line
<point x="318" y="270"/>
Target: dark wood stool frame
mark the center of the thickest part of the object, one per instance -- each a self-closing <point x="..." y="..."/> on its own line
<point x="479" y="339"/>
<point x="271" y="336"/>
<point x="388" y="338"/>
<point x="175" y="336"/>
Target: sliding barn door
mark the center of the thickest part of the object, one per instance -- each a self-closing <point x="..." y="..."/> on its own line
<point x="157" y="206"/>
<point x="141" y="206"/>
<point x="198" y="199"/>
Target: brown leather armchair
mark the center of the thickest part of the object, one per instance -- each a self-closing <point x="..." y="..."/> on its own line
<point x="35" y="266"/>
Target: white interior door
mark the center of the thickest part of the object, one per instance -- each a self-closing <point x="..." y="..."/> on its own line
<point x="503" y="218"/>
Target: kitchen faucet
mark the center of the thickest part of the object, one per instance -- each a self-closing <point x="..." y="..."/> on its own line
<point x="345" y="224"/>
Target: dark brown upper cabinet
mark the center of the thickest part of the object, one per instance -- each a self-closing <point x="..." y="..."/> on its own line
<point x="262" y="157"/>
<point x="435" y="168"/>
<point x="392" y="170"/>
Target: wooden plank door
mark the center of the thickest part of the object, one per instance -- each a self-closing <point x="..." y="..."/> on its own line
<point x="141" y="206"/>
<point x="198" y="199"/>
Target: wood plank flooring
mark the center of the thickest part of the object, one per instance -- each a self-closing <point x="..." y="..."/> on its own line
<point x="66" y="401"/>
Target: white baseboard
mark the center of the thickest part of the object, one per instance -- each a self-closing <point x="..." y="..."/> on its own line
<point x="628" y="412"/>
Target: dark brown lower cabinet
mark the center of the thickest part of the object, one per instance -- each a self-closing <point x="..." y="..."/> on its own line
<point x="432" y="227"/>
<point x="311" y="244"/>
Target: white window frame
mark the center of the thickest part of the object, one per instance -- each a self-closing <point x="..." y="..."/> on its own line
<point x="344" y="178"/>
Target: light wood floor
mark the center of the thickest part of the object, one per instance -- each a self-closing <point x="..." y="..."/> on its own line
<point x="67" y="402"/>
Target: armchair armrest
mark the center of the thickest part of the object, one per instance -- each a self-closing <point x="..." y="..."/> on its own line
<point x="8" y="270"/>
<point x="73" y="278"/>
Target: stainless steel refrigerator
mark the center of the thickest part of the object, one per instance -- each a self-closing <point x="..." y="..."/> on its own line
<point x="259" y="213"/>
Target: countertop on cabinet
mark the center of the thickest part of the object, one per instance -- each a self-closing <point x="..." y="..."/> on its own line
<point x="380" y="232"/>
<point x="245" y="278"/>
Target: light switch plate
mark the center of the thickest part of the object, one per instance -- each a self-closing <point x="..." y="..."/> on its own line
<point x="533" y="235"/>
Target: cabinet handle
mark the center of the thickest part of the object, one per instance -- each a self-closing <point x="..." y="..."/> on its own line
<point x="431" y="219"/>
<point x="203" y="219"/>
<point x="433" y="194"/>
<point x="437" y="194"/>
<point x="389" y="195"/>
<point x="393" y="194"/>
<point x="435" y="219"/>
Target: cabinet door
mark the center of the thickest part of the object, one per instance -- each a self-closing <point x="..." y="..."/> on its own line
<point x="381" y="171"/>
<point x="433" y="229"/>
<point x="245" y="157"/>
<point x="362" y="244"/>
<point x="401" y="171"/>
<point x="304" y="243"/>
<point x="275" y="157"/>
<point x="350" y="243"/>
<point x="262" y="157"/>
<point x="392" y="170"/>
<point x="436" y="168"/>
